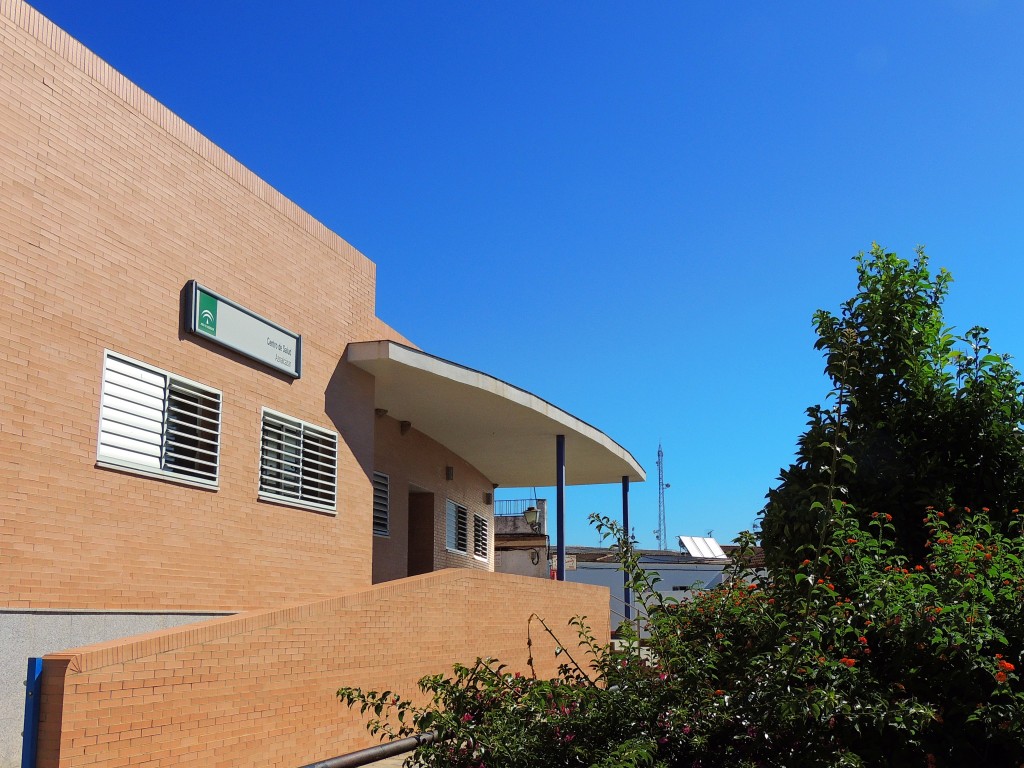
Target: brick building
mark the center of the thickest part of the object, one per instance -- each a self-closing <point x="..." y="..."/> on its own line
<point x="227" y="487"/>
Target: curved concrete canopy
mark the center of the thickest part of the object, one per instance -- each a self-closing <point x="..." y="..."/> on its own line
<point x="505" y="432"/>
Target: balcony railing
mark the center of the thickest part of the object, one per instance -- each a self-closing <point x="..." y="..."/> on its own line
<point x="512" y="507"/>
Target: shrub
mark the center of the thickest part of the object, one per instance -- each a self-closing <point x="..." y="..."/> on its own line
<point x="857" y="656"/>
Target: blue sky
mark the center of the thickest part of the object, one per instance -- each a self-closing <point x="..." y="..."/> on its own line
<point x="631" y="210"/>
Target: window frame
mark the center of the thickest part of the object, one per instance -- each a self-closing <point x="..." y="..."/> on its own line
<point x="173" y="386"/>
<point x="387" y="503"/>
<point x="287" y="498"/>
<point x="453" y="512"/>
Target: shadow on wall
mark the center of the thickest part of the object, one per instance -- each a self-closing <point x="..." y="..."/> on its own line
<point x="348" y="403"/>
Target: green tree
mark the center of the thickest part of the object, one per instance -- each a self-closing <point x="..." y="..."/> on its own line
<point x="930" y="418"/>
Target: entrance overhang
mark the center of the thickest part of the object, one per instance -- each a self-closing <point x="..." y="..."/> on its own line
<point x="505" y="432"/>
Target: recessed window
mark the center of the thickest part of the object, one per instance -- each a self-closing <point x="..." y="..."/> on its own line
<point x="155" y="423"/>
<point x="456" y="527"/>
<point x="381" y="504"/>
<point x="298" y="463"/>
<point x="480" y="548"/>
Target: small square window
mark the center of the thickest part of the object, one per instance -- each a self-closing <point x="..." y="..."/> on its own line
<point x="298" y="463"/>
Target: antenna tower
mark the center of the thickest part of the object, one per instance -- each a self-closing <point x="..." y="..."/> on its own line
<point x="661" y="533"/>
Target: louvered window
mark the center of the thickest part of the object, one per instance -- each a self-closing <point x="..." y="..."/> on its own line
<point x="155" y="423"/>
<point x="456" y="533"/>
<point x="381" y="504"/>
<point x="298" y="463"/>
<point x="480" y="548"/>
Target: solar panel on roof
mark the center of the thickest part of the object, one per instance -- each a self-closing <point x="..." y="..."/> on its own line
<point x="702" y="546"/>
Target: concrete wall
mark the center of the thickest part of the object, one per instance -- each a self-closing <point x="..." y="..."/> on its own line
<point x="109" y="204"/>
<point x="676" y="575"/>
<point x="258" y="689"/>
<point x="524" y="561"/>
<point x="519" y="548"/>
<point x="26" y="634"/>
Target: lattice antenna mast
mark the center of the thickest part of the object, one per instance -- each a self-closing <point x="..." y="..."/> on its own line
<point x="661" y="533"/>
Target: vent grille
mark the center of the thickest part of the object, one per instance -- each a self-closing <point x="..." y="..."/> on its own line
<point x="381" y="504"/>
<point x="480" y="547"/>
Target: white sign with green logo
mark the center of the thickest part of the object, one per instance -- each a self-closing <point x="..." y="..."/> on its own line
<point x="221" y="320"/>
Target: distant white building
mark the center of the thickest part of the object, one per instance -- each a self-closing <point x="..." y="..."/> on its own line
<point x="678" y="571"/>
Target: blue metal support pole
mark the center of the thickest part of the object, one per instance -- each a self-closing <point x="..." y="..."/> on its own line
<point x="626" y="596"/>
<point x="33" y="692"/>
<point x="560" y="504"/>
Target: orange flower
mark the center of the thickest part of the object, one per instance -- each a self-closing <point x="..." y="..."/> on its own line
<point x="851" y="662"/>
<point x="1000" y="677"/>
<point x="1005" y="666"/>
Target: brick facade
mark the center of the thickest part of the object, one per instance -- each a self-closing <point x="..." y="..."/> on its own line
<point x="109" y="205"/>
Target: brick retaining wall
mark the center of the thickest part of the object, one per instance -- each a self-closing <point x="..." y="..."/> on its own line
<point x="258" y="689"/>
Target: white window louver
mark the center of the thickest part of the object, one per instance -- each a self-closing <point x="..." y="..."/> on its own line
<point x="298" y="463"/>
<point x="480" y="547"/>
<point x="156" y="423"/>
<point x="381" y="504"/>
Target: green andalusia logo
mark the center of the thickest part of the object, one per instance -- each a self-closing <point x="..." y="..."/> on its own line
<point x="207" y="313"/>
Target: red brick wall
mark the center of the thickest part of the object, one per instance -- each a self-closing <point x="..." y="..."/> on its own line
<point x="259" y="689"/>
<point x="109" y="204"/>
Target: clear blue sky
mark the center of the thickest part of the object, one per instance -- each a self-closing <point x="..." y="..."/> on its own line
<point x="629" y="209"/>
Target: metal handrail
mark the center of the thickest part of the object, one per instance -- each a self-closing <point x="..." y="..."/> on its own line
<point x="380" y="752"/>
